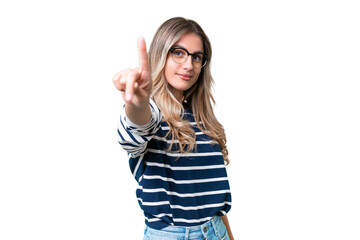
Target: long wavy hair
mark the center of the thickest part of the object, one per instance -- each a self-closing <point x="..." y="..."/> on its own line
<point x="199" y="97"/>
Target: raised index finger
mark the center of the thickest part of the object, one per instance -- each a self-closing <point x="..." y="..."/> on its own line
<point x="143" y="56"/>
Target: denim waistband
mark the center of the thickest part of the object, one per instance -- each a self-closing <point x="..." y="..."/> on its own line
<point x="201" y="231"/>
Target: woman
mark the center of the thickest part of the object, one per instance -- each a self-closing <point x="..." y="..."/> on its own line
<point x="177" y="148"/>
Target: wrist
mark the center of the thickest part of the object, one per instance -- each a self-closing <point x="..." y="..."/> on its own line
<point x="139" y="114"/>
<point x="138" y="105"/>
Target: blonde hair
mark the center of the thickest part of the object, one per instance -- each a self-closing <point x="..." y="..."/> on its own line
<point x="199" y="97"/>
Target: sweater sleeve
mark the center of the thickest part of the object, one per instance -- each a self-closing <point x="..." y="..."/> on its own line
<point x="134" y="138"/>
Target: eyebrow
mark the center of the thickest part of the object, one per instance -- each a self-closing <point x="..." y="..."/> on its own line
<point x="179" y="46"/>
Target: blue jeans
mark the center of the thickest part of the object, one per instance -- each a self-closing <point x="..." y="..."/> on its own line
<point x="213" y="229"/>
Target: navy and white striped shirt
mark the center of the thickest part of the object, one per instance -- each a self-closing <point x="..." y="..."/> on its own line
<point x="177" y="189"/>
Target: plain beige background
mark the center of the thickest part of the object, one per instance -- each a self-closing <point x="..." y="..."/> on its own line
<point x="287" y="90"/>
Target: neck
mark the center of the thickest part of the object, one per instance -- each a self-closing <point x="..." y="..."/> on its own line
<point x="178" y="95"/>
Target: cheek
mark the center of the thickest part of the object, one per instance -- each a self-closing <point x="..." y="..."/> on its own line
<point x="197" y="74"/>
<point x="169" y="68"/>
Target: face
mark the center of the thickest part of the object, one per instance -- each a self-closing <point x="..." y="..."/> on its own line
<point x="181" y="76"/>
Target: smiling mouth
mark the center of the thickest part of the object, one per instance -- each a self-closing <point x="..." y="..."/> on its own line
<point x="184" y="76"/>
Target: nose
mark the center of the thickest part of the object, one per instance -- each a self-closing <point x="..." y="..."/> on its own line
<point x="188" y="64"/>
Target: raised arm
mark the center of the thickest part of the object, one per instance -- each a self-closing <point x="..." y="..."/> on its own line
<point x="135" y="85"/>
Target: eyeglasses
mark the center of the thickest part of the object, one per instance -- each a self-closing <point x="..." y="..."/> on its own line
<point x="180" y="55"/>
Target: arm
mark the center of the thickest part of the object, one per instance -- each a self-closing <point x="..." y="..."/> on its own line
<point x="140" y="119"/>
<point x="227" y="225"/>
<point x="136" y="85"/>
<point x="134" y="137"/>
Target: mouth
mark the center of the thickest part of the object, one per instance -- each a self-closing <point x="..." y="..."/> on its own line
<point x="185" y="77"/>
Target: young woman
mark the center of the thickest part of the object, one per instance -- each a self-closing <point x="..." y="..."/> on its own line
<point x="177" y="148"/>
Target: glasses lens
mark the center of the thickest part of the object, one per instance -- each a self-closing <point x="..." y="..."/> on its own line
<point x="198" y="58"/>
<point x="179" y="55"/>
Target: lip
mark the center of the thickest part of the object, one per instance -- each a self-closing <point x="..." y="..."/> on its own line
<point x="186" y="77"/>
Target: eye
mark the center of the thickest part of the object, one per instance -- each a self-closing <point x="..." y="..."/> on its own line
<point x="179" y="53"/>
<point x="198" y="57"/>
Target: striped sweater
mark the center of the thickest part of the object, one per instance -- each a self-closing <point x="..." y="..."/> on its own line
<point x="177" y="189"/>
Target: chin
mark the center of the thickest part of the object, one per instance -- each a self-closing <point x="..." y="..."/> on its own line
<point x="184" y="88"/>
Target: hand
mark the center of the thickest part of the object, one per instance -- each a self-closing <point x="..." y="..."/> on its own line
<point x="136" y="84"/>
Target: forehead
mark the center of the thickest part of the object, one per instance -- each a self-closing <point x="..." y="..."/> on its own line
<point x="191" y="42"/>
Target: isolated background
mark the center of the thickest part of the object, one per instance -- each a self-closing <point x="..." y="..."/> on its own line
<point x="287" y="90"/>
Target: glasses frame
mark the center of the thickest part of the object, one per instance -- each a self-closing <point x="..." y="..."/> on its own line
<point x="205" y="60"/>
